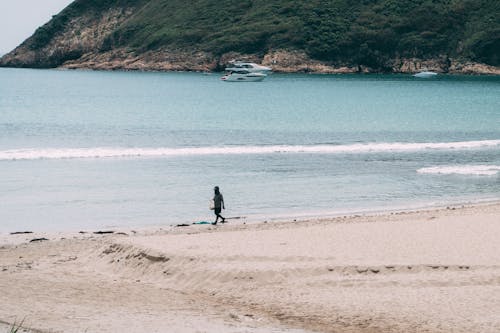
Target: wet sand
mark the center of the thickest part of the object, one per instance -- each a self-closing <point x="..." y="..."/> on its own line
<point x="435" y="270"/>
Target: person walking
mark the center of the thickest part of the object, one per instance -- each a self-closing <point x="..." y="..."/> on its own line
<point x="218" y="205"/>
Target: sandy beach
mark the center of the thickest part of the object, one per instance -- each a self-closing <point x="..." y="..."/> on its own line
<point x="435" y="270"/>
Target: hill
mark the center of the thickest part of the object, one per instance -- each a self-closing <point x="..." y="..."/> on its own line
<point x="315" y="35"/>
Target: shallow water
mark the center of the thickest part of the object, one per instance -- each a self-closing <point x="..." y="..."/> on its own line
<point x="82" y="150"/>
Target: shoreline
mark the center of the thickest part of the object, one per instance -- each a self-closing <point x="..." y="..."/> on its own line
<point x="390" y="210"/>
<point x="281" y="61"/>
<point x="434" y="270"/>
<point x="256" y="219"/>
<point x="470" y="73"/>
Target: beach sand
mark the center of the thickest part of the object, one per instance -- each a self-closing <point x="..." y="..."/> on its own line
<point x="435" y="270"/>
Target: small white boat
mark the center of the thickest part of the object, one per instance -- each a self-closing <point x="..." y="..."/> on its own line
<point x="243" y="76"/>
<point x="425" y="74"/>
<point x="249" y="66"/>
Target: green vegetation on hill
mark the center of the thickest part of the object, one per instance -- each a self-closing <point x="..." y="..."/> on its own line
<point x="362" y="32"/>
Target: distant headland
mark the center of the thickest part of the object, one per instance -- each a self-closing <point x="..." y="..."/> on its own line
<point x="381" y="36"/>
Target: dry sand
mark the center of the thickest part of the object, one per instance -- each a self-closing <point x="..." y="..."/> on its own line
<point x="427" y="271"/>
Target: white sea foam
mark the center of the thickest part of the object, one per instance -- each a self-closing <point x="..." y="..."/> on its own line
<point x="476" y="170"/>
<point x="109" y="152"/>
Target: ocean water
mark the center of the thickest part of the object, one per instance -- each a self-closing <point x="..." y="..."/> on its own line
<point x="83" y="150"/>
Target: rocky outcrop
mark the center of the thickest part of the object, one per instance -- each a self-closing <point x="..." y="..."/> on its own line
<point x="413" y="65"/>
<point x="82" y="35"/>
<point x="443" y="65"/>
<point x="178" y="60"/>
<point x="123" y="59"/>
<point x="281" y="61"/>
<point x="468" y="67"/>
<point x="300" y="62"/>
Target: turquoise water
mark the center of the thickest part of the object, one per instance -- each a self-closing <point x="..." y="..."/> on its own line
<point x="85" y="150"/>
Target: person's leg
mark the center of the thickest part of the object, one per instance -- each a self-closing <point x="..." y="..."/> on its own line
<point x="217" y="212"/>
<point x="222" y="218"/>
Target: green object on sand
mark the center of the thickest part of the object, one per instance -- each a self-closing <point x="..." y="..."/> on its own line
<point x="202" y="222"/>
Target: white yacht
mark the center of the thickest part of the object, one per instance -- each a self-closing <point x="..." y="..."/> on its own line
<point x="425" y="74"/>
<point x="243" y="75"/>
<point x="249" y="66"/>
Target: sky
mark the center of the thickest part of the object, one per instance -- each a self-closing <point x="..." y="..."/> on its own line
<point x="20" y="18"/>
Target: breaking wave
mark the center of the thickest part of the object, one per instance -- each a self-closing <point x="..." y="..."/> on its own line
<point x="476" y="170"/>
<point x="103" y="152"/>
